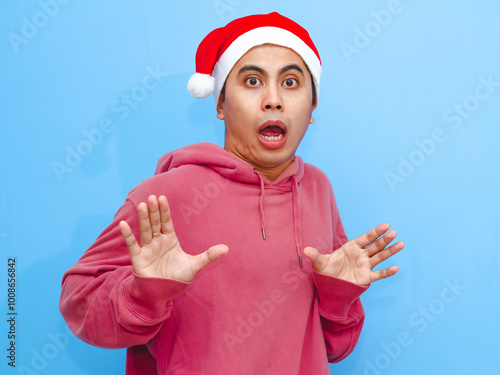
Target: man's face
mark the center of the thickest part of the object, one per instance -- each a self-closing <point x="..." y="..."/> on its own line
<point x="267" y="108"/>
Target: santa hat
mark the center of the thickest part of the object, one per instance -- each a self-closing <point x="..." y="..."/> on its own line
<point x="223" y="47"/>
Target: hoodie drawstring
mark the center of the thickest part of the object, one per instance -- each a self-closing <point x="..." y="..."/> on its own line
<point x="296" y="214"/>
<point x="296" y="219"/>
<point x="261" y="205"/>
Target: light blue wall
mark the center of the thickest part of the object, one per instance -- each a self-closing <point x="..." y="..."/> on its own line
<point x="407" y="130"/>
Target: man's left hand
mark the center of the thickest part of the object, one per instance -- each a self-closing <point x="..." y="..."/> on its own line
<point x="355" y="260"/>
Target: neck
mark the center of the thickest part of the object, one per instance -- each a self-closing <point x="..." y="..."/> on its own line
<point x="271" y="173"/>
<point x="274" y="172"/>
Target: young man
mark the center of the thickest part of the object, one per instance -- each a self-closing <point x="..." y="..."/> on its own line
<point x="277" y="291"/>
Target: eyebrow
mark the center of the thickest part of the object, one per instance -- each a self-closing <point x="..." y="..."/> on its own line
<point x="258" y="69"/>
<point x="254" y="68"/>
<point x="292" y="67"/>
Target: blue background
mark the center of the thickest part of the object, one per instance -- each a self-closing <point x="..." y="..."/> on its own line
<point x="407" y="129"/>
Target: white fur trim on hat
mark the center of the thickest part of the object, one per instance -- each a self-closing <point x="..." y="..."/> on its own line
<point x="201" y="85"/>
<point x="257" y="37"/>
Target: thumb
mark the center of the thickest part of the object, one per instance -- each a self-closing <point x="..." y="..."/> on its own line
<point x="315" y="257"/>
<point x="209" y="256"/>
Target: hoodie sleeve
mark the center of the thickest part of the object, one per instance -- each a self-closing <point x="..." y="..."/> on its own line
<point x="104" y="303"/>
<point x="341" y="314"/>
<point x="340" y="308"/>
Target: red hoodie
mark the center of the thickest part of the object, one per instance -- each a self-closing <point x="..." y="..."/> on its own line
<point x="253" y="311"/>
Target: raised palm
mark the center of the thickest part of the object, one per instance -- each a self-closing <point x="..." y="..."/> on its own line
<point x="159" y="253"/>
<point x="355" y="260"/>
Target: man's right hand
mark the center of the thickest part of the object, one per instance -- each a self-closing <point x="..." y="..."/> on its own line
<point x="160" y="254"/>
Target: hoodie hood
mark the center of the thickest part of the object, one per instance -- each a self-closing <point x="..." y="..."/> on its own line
<point x="229" y="166"/>
<point x="226" y="164"/>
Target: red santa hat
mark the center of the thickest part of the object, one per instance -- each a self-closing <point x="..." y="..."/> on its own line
<point x="223" y="47"/>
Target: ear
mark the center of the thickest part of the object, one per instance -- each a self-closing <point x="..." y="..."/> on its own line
<point x="314" y="105"/>
<point x="220" y="109"/>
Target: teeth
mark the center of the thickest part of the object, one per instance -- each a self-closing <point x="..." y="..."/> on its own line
<point x="272" y="138"/>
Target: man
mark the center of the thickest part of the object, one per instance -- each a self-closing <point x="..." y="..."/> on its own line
<point x="277" y="291"/>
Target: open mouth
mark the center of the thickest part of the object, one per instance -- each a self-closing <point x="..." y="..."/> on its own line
<point x="272" y="133"/>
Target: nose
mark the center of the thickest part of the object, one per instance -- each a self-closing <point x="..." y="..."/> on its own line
<point x="272" y="99"/>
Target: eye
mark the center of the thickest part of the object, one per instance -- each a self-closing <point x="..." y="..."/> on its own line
<point x="290" y="82"/>
<point x="253" y="81"/>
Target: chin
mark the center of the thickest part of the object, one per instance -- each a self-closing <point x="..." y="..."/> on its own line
<point x="275" y="158"/>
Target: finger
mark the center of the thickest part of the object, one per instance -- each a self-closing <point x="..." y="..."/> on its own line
<point x="132" y="244"/>
<point x="372" y="235"/>
<point x="316" y="258"/>
<point x="211" y="255"/>
<point x="144" y="224"/>
<point x="381" y="243"/>
<point x="154" y="215"/>
<point x="386" y="253"/>
<point x="166" y="224"/>
<point x="383" y="274"/>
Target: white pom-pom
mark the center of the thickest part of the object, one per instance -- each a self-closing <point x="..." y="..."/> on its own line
<point x="201" y="85"/>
